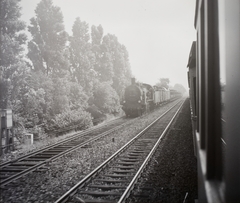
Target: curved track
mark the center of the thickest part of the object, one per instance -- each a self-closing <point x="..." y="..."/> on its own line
<point x="114" y="179"/>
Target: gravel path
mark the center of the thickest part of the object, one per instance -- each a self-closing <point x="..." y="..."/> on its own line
<point x="54" y="179"/>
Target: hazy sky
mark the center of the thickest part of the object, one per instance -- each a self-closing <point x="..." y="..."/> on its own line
<point x="157" y="33"/>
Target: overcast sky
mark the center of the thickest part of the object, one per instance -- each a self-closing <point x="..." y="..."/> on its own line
<point x="157" y="33"/>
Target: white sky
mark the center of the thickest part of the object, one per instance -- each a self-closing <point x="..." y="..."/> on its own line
<point x="157" y="33"/>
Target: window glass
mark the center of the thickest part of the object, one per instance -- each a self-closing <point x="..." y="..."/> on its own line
<point x="222" y="57"/>
<point x="222" y="65"/>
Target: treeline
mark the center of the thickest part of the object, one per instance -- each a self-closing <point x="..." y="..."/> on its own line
<point x="165" y="82"/>
<point x="63" y="80"/>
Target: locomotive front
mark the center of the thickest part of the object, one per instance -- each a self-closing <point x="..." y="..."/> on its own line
<point x="134" y="102"/>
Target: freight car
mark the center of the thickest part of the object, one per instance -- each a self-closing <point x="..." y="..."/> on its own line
<point x="174" y="93"/>
<point x="214" y="82"/>
<point x="140" y="98"/>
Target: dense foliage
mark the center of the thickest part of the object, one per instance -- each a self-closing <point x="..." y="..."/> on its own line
<point x="164" y="82"/>
<point x="180" y="88"/>
<point x="61" y="80"/>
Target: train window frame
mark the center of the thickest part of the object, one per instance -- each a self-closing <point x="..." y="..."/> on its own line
<point x="201" y="75"/>
<point x="212" y="91"/>
<point x="218" y="181"/>
<point x="208" y="85"/>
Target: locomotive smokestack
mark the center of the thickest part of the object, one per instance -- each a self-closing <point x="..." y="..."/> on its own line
<point x="133" y="81"/>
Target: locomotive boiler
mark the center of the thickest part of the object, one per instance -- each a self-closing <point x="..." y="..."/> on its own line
<point x="138" y="99"/>
<point x="141" y="97"/>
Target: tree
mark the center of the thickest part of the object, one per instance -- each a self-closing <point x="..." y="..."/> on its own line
<point x="12" y="38"/>
<point x="122" y="75"/>
<point x="51" y="101"/>
<point x="103" y="59"/>
<point x="164" y="82"/>
<point x="47" y="49"/>
<point x="67" y="95"/>
<point x="97" y="35"/>
<point x="81" y="56"/>
<point x="11" y="51"/>
<point x="179" y="88"/>
<point x="111" y="60"/>
<point x="106" y="98"/>
<point x="104" y="66"/>
<point x="63" y="101"/>
<point x="118" y="57"/>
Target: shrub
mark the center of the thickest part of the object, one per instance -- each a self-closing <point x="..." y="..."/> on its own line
<point x="79" y="120"/>
<point x="106" y="99"/>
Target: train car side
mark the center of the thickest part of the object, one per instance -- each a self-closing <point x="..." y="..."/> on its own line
<point x="214" y="82"/>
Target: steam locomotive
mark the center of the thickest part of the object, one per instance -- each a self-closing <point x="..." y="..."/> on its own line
<point x="141" y="98"/>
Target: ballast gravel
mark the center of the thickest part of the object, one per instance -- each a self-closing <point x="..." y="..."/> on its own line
<point x="171" y="175"/>
<point x="50" y="182"/>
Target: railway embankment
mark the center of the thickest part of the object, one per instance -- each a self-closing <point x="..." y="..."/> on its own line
<point x="171" y="175"/>
<point x="49" y="182"/>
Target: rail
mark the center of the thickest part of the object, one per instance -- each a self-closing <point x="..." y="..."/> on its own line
<point x="113" y="158"/>
<point x="25" y="164"/>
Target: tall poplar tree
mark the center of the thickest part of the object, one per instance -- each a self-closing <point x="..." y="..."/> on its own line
<point x="47" y="48"/>
<point x="103" y="58"/>
<point x="81" y="56"/>
<point x="164" y="82"/>
<point x="121" y="72"/>
<point x="11" y="40"/>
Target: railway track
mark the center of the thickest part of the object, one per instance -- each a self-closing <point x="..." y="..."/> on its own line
<point x="12" y="170"/>
<point x="114" y="179"/>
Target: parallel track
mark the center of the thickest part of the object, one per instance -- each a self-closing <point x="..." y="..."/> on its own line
<point x="12" y="170"/>
<point x="114" y="179"/>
